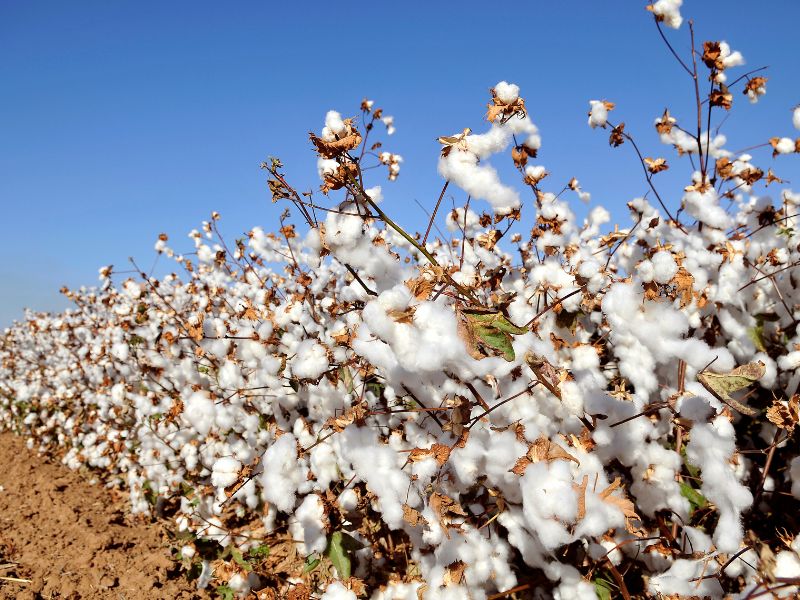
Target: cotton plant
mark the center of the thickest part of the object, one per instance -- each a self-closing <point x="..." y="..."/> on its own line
<point x="538" y="404"/>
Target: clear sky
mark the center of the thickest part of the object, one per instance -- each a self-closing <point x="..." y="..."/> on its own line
<point x="120" y="120"/>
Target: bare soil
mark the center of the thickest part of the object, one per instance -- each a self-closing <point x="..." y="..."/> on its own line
<point x="73" y="540"/>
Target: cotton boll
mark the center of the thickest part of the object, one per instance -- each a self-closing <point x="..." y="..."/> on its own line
<point x="199" y="411"/>
<point x="507" y="92"/>
<point x="787" y="566"/>
<point x="225" y="472"/>
<point x="668" y="12"/>
<point x="664" y="267"/>
<point x="309" y="524"/>
<point x="711" y="447"/>
<point x="535" y="173"/>
<point x="480" y="181"/>
<point x="281" y="477"/>
<point x="549" y="501"/>
<point x="348" y="500"/>
<point x="310" y="361"/>
<point x="705" y="207"/>
<point x="685" y="578"/>
<point x="796" y="117"/>
<point x="326" y="166"/>
<point x="784" y="145"/>
<point x="730" y="58"/>
<point x="334" y="123"/>
<point x="598" y="114"/>
<point x="571" y="398"/>
<point x="646" y="271"/>
<point x="377" y="465"/>
<point x="794" y="475"/>
<point x="337" y="591"/>
<point x="375" y="194"/>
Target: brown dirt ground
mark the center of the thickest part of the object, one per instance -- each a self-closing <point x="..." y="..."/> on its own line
<point x="73" y="540"/>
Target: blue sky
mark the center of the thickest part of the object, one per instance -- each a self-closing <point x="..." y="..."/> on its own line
<point x="120" y="120"/>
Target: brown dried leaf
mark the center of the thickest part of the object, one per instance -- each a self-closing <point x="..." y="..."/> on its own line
<point x="581" y="491"/>
<point x="354" y="414"/>
<point x="625" y="505"/>
<point x="721" y="97"/>
<point x="299" y="592"/>
<point x="785" y="416"/>
<point x="441" y="452"/>
<point x="544" y="449"/>
<point x="446" y="509"/>
<point x="412" y="516"/>
<point x="664" y="125"/>
<point x="616" y="138"/>
<point x="457" y="141"/>
<point x="772" y="178"/>
<point x="754" y="85"/>
<point x="520" y="155"/>
<point x="344" y="142"/>
<point x="724" y="168"/>
<point x="750" y="175"/>
<point x="712" y="56"/>
<point x="454" y="574"/>
<point x="656" y="165"/>
<point x="684" y="282"/>
<point x="498" y="108"/>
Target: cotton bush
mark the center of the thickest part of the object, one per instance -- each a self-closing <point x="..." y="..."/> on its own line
<point x="538" y="405"/>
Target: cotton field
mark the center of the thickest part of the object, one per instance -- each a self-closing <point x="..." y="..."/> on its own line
<point x="535" y="406"/>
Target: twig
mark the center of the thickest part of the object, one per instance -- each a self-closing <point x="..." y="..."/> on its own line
<point x="435" y="210"/>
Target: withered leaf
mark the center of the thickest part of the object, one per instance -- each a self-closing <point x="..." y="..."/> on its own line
<point x="755" y="85"/>
<point x="720" y="385"/>
<point x="616" y="138"/>
<point x="772" y="178"/>
<point x="625" y="505"/>
<point x="750" y="175"/>
<point x="541" y="449"/>
<point x="441" y="452"/>
<point x="656" y="165"/>
<point x="785" y="416"/>
<point x="487" y="333"/>
<point x="344" y="142"/>
<point x="458" y="141"/>
<point x="665" y="123"/>
<point x="712" y="56"/>
<point x="454" y="574"/>
<point x="581" y="491"/>
<point x="412" y="516"/>
<point x="504" y="110"/>
<point x="721" y="97"/>
<point x="446" y="509"/>
<point x="684" y="284"/>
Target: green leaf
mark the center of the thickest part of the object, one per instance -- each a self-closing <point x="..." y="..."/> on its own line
<point x="340" y="549"/>
<point x="603" y="589"/>
<point x="149" y="494"/>
<point x="756" y="335"/>
<point x="237" y="557"/>
<point x="568" y="320"/>
<point x="261" y="551"/>
<point x="695" y="498"/>
<point x="347" y="378"/>
<point x="693" y="470"/>
<point x="312" y="562"/>
<point x="224" y="592"/>
<point x="720" y="385"/>
<point x="495" y="339"/>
